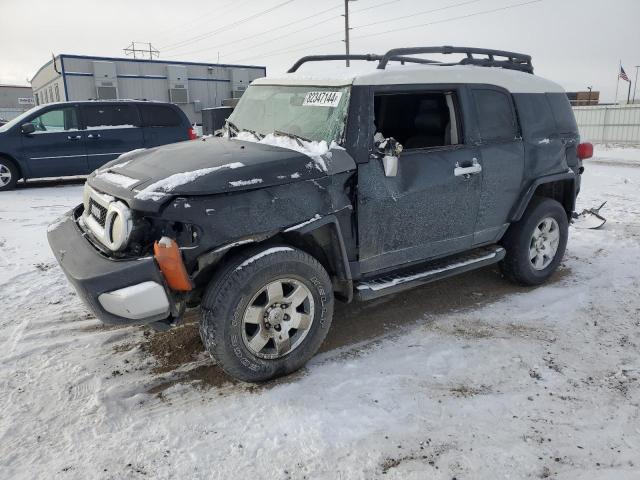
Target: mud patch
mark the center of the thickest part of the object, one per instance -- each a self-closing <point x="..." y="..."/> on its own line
<point x="466" y="391"/>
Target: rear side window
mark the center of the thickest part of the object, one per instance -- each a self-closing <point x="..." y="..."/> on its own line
<point x="159" y="116"/>
<point x="562" y="112"/>
<point x="496" y="119"/>
<point x="535" y="116"/>
<point x="110" y="116"/>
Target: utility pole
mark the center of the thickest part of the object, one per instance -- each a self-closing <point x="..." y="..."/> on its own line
<point x="589" y="100"/>
<point x="346" y="28"/>
<point x="635" y="85"/>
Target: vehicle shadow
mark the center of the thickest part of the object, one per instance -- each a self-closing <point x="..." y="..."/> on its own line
<point x="357" y="323"/>
<point x="50" y="182"/>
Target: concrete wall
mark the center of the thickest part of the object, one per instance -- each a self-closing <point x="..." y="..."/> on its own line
<point x="618" y="124"/>
<point x="208" y="84"/>
<point x="14" y="99"/>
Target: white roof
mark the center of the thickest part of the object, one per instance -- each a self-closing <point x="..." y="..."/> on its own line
<point x="511" y="80"/>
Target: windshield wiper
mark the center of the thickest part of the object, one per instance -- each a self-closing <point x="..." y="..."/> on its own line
<point x="231" y="127"/>
<point x="297" y="138"/>
<point x="254" y="133"/>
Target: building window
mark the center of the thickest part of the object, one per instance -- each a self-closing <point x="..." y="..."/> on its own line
<point x="57" y="90"/>
<point x="37" y="99"/>
<point x="51" y="93"/>
<point x="46" y="96"/>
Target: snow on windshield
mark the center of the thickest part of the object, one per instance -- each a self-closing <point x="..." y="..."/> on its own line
<point x="314" y="113"/>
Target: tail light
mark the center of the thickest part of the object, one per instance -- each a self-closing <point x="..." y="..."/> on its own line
<point x="585" y="150"/>
<point x="192" y="133"/>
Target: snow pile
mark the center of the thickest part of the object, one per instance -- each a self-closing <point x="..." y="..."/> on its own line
<point x="159" y="189"/>
<point x="315" y="150"/>
<point x="117" y="179"/>
<point x="244" y="183"/>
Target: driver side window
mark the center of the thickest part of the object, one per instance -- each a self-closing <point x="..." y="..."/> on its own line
<point x="418" y="120"/>
<point x="58" y="120"/>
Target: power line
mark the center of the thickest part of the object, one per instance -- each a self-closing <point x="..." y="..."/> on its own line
<point x="484" y="12"/>
<point x="197" y="38"/>
<point x="426" y="24"/>
<point x="272" y="30"/>
<point x="416" y="14"/>
<point x="316" y="24"/>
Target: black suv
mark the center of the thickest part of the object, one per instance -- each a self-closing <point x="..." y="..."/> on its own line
<point x="75" y="138"/>
<point x="323" y="188"/>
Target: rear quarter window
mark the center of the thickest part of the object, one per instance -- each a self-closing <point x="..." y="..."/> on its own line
<point x="496" y="118"/>
<point x="159" y="116"/>
<point x="535" y="115"/>
<point x="562" y="112"/>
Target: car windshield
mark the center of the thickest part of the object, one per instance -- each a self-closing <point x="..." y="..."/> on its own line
<point x="18" y="120"/>
<point x="312" y="113"/>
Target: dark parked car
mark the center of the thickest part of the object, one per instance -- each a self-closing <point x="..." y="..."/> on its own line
<point x="75" y="138"/>
<point x="351" y="187"/>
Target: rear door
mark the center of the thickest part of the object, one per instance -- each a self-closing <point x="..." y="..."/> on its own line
<point x="501" y="157"/>
<point x="162" y="124"/>
<point x="428" y="209"/>
<point x="57" y="147"/>
<point x="111" y="130"/>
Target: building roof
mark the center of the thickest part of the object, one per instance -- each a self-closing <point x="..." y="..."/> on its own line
<point x="511" y="80"/>
<point x="14" y="86"/>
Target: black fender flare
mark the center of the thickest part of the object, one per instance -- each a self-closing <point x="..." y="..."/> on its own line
<point x="337" y="251"/>
<point x="521" y="206"/>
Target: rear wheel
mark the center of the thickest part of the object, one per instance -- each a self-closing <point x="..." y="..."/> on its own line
<point x="8" y="174"/>
<point x="266" y="313"/>
<point x="536" y="243"/>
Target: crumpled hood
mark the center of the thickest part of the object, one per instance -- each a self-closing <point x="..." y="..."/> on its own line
<point x="203" y="167"/>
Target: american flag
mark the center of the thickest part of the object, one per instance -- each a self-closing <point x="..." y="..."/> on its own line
<point x="623" y="75"/>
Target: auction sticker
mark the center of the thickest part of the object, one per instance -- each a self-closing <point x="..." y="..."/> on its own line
<point x="322" y="99"/>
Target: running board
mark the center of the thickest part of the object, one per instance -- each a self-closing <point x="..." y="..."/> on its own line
<point x="430" y="272"/>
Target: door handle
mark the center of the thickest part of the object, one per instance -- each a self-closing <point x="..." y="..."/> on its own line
<point x="93" y="135"/>
<point x="466" y="172"/>
<point x="74" y="137"/>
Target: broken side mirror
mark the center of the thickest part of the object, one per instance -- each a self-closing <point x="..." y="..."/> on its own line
<point x="390" y="150"/>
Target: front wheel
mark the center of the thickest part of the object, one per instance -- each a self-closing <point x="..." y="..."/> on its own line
<point x="8" y="174"/>
<point x="266" y="313"/>
<point x="536" y="243"/>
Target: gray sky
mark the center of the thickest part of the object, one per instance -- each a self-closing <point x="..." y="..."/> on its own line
<point x="574" y="42"/>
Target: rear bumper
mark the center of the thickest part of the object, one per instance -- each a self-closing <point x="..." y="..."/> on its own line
<point x="120" y="292"/>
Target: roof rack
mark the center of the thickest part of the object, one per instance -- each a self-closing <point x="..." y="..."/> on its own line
<point x="369" y="57"/>
<point x="510" y="60"/>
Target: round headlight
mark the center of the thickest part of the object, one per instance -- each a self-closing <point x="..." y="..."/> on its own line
<point x="117" y="226"/>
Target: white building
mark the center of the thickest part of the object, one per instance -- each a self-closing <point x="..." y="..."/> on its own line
<point x="193" y="86"/>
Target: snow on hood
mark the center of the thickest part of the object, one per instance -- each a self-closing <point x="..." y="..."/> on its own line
<point x="161" y="188"/>
<point x="314" y="150"/>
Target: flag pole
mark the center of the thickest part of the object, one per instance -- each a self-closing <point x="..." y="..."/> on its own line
<point x="618" y="82"/>
<point x="629" y="93"/>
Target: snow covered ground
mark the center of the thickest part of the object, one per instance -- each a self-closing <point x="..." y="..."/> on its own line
<point x="470" y="378"/>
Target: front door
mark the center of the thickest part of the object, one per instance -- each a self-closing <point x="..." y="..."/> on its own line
<point x="429" y="208"/>
<point x="111" y="130"/>
<point x="56" y="148"/>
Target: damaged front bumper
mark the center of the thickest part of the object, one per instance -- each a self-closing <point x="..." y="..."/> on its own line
<point x="120" y="292"/>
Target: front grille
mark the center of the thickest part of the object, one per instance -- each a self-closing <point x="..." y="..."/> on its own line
<point x="98" y="212"/>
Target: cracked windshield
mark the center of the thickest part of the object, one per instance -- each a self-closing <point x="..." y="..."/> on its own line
<point x="309" y="113"/>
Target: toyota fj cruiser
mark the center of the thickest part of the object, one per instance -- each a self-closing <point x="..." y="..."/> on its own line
<point x="321" y="188"/>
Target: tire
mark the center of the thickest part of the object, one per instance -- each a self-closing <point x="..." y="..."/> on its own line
<point x="520" y="265"/>
<point x="9" y="174"/>
<point x="238" y="312"/>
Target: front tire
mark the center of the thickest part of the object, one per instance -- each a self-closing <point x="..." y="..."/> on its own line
<point x="8" y="174"/>
<point x="536" y="243"/>
<point x="266" y="313"/>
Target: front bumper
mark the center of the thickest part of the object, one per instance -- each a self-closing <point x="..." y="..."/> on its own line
<point x="120" y="292"/>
